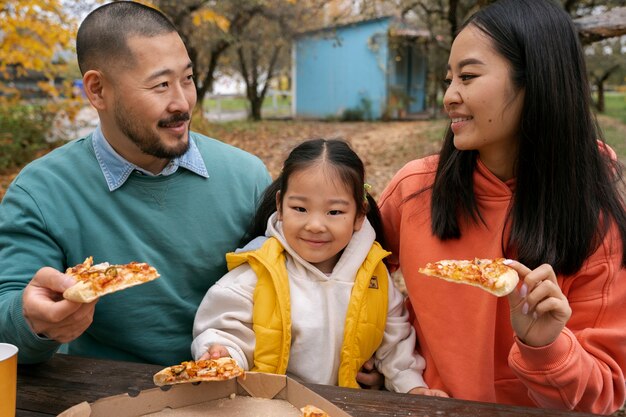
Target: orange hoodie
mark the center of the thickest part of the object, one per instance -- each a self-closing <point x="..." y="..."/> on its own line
<point x="465" y="333"/>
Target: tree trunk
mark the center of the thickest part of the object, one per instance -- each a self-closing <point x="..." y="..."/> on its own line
<point x="206" y="82"/>
<point x="180" y="16"/>
<point x="251" y="77"/>
<point x="599" y="83"/>
<point x="600" y="100"/>
<point x="609" y="24"/>
<point x="256" y="104"/>
<point x="452" y="17"/>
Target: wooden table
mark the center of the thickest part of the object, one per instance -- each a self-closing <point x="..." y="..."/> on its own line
<point x="49" y="388"/>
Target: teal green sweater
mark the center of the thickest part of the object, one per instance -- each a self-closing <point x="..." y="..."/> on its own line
<point x="59" y="210"/>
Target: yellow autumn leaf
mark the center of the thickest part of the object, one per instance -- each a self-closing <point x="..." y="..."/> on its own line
<point x="209" y="16"/>
<point x="33" y="34"/>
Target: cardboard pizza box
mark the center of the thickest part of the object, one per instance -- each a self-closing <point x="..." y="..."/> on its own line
<point x="257" y="395"/>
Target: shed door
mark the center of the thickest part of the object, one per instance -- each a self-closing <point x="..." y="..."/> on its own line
<point x="417" y="80"/>
<point x="410" y="75"/>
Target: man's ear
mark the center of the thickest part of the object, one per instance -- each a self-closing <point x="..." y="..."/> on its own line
<point x="93" y="84"/>
<point x="279" y="207"/>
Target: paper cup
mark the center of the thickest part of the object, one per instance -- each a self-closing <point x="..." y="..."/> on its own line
<point x="8" y="379"/>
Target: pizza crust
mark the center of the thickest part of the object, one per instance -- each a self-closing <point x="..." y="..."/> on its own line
<point x="312" y="411"/>
<point x="507" y="283"/>
<point x="83" y="292"/>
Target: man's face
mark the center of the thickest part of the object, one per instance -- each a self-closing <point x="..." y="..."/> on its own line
<point x="152" y="100"/>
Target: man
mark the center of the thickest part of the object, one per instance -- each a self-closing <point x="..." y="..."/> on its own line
<point x="141" y="187"/>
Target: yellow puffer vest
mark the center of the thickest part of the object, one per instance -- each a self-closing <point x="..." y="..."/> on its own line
<point x="365" y="319"/>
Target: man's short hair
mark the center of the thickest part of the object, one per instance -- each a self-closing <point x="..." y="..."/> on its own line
<point x="103" y="34"/>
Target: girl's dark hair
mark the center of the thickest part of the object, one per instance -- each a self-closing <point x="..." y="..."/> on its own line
<point x="349" y="167"/>
<point x="567" y="188"/>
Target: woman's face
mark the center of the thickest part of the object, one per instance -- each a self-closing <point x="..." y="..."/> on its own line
<point x="482" y="102"/>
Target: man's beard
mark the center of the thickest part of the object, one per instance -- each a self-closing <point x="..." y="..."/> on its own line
<point x="147" y="140"/>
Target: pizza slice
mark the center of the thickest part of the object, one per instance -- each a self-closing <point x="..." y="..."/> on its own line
<point x="313" y="411"/>
<point x="491" y="275"/>
<point x="196" y="371"/>
<point x="94" y="281"/>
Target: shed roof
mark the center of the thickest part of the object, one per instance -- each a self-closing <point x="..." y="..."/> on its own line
<point x="397" y="26"/>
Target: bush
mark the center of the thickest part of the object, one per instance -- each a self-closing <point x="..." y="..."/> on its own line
<point x="22" y="136"/>
<point x="353" y="114"/>
<point x="362" y="112"/>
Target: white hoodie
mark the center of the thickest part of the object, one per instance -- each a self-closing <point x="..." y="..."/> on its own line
<point x="318" y="310"/>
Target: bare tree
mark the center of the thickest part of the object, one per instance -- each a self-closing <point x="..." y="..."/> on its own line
<point x="444" y="17"/>
<point x="259" y="32"/>
<point x="209" y="29"/>
<point x="604" y="61"/>
<point x="600" y="26"/>
<point x="262" y="47"/>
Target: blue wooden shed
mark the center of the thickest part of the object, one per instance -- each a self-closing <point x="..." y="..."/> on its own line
<point x="374" y="68"/>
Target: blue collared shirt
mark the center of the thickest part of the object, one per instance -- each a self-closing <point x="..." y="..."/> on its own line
<point x="116" y="169"/>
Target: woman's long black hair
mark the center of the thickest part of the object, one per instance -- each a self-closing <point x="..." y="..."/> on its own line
<point x="567" y="186"/>
<point x="337" y="154"/>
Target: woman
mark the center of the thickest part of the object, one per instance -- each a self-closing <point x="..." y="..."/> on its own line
<point x="521" y="175"/>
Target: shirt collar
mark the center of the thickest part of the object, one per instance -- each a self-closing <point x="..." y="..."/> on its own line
<point x="116" y="169"/>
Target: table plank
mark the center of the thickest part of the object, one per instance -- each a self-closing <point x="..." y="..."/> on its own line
<point x="56" y="385"/>
<point x="51" y="387"/>
<point x="23" y="413"/>
<point x="385" y="404"/>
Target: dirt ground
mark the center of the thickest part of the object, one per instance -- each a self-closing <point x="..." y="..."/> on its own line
<point x="384" y="147"/>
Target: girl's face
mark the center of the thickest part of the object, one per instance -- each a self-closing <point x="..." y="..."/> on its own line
<point x="319" y="215"/>
<point x="482" y="101"/>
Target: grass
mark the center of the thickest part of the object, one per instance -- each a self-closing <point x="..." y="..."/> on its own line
<point x="229" y="104"/>
<point x="614" y="135"/>
<point x="613" y="123"/>
<point x="615" y="105"/>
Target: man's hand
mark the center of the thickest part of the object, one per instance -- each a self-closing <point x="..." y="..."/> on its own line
<point x="215" y="352"/>
<point x="369" y="377"/>
<point x="48" y="313"/>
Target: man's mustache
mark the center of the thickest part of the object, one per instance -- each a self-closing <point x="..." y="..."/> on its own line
<point x="179" y="117"/>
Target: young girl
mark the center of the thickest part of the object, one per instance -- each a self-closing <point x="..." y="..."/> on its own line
<point x="313" y="300"/>
<point x="521" y="175"/>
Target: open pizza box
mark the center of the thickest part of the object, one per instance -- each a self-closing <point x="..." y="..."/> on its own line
<point x="257" y="395"/>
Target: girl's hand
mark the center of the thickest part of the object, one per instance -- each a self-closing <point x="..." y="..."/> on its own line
<point x="215" y="352"/>
<point x="368" y="376"/>
<point x="428" y="391"/>
<point x="539" y="309"/>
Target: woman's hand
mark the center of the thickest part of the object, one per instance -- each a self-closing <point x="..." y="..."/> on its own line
<point x="539" y="309"/>
<point x="215" y="352"/>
